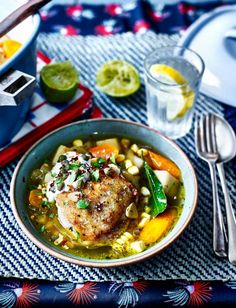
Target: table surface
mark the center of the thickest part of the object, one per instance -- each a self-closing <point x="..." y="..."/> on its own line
<point x="109" y="19"/>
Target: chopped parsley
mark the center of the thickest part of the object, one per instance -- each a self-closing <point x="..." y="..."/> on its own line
<point x="52" y="215"/>
<point x="42" y="229"/>
<point x="73" y="166"/>
<point x="95" y="175"/>
<point x="95" y="164"/>
<point x="45" y="203"/>
<point x="59" y="180"/>
<point x="80" y="177"/>
<point x="78" y="236"/>
<point x="82" y="204"/>
<point x="98" y="162"/>
<point x="101" y="160"/>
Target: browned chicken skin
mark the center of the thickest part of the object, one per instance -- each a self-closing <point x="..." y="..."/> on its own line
<point x="107" y="199"/>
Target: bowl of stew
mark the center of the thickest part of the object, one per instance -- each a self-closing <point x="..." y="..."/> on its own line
<point x="104" y="193"/>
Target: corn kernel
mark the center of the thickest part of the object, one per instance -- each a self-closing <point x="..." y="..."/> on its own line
<point x="134" y="170"/>
<point x="128" y="163"/>
<point x="128" y="235"/>
<point x="78" y="143"/>
<point x="134" y="148"/>
<point x="137" y="246"/>
<point x="143" y="222"/>
<point x="147" y="209"/>
<point x="142" y="152"/>
<point x="120" y="158"/>
<point x="125" y="143"/>
<point x="145" y="191"/>
<point x="145" y="215"/>
<point x="120" y="241"/>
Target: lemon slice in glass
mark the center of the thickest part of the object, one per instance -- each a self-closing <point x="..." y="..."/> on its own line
<point x="118" y="78"/>
<point x="59" y="82"/>
<point x="178" y="99"/>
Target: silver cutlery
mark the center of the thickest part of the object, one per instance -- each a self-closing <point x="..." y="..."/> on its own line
<point x="207" y="150"/>
<point x="226" y="149"/>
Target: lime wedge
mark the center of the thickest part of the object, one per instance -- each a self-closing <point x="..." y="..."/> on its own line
<point x="118" y="78"/>
<point x="180" y="99"/>
<point x="59" y="82"/>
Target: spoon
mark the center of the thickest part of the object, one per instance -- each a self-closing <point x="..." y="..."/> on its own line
<point x="20" y="14"/>
<point x="226" y="146"/>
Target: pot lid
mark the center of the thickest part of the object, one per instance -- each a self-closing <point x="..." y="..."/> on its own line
<point x="9" y="6"/>
<point x="213" y="36"/>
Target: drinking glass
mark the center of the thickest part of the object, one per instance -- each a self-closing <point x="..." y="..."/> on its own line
<point x="172" y="78"/>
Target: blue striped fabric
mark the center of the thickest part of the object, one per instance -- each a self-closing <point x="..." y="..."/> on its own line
<point x="191" y="256"/>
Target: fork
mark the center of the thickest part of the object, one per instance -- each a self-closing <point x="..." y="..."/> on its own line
<point x="206" y="149"/>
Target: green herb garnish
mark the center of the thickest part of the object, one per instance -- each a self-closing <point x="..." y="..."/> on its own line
<point x="158" y="200"/>
<point x="42" y="229"/>
<point x="95" y="175"/>
<point x="82" y="204"/>
<point x="45" y="203"/>
<point x="98" y="162"/>
<point x="52" y="215"/>
<point x="80" y="177"/>
<point x="78" y="236"/>
<point x="95" y="164"/>
<point x="73" y="166"/>
<point x="59" y="180"/>
<point x="101" y="160"/>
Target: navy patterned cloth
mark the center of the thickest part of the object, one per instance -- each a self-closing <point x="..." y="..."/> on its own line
<point x="136" y="16"/>
<point x="147" y="294"/>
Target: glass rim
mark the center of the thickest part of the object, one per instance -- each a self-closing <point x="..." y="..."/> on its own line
<point x="147" y="72"/>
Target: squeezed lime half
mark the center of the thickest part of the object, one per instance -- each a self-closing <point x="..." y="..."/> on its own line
<point x="118" y="78"/>
<point x="59" y="82"/>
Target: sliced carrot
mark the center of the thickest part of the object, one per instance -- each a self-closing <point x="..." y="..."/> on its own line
<point x="35" y="197"/>
<point x="104" y="151"/>
<point x="159" y="162"/>
<point x="156" y="228"/>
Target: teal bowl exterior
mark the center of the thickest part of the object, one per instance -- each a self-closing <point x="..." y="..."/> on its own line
<point x="45" y="148"/>
<point x="13" y="117"/>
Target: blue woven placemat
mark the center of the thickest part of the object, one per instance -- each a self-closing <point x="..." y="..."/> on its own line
<point x="191" y="256"/>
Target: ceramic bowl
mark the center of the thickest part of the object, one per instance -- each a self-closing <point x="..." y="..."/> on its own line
<point x="24" y="60"/>
<point x="46" y="146"/>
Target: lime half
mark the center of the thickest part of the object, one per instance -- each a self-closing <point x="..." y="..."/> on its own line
<point x="118" y="78"/>
<point x="59" y="82"/>
<point x="178" y="100"/>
